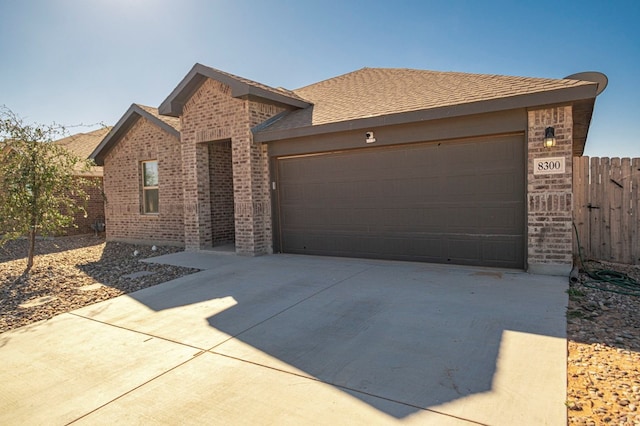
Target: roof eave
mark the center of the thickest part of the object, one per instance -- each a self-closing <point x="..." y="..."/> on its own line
<point x="122" y="126"/>
<point x="531" y="100"/>
<point x="582" y="113"/>
<point x="174" y="103"/>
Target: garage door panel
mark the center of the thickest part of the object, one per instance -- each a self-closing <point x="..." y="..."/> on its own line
<point x="388" y="219"/>
<point x="502" y="220"/>
<point x="422" y="248"/>
<point x="468" y="250"/>
<point x="442" y="218"/>
<point x="479" y="186"/>
<point x="455" y="187"/>
<point x="463" y="249"/>
<point x="463" y="155"/>
<point x="502" y="251"/>
<point x="499" y="185"/>
<point x="462" y="219"/>
<point x="428" y="202"/>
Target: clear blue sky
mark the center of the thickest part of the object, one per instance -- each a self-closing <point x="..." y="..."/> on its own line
<point x="86" y="61"/>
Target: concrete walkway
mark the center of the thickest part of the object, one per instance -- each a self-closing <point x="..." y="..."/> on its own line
<point x="288" y="339"/>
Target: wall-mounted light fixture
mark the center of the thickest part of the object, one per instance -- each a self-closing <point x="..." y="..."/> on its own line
<point x="549" y="137"/>
<point x="369" y="138"/>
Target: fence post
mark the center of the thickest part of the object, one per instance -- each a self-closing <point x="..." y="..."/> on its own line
<point x="580" y="210"/>
<point x="626" y="212"/>
<point x="635" y="207"/>
<point x="614" y="197"/>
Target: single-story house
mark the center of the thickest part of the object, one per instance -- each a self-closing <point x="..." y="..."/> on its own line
<point x="383" y="163"/>
<point x="82" y="145"/>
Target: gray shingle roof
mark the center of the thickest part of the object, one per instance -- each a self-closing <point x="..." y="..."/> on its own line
<point x="376" y="92"/>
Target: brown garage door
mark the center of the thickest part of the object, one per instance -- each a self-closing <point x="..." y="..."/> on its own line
<point x="451" y="202"/>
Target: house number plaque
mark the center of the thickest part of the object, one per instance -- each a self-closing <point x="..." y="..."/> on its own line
<point x="548" y="166"/>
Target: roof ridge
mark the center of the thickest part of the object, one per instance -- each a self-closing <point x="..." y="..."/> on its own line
<point x="330" y="78"/>
<point x="240" y="88"/>
<point x="281" y="90"/>
<point x="433" y="72"/>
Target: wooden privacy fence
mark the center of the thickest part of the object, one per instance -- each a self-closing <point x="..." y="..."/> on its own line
<point x="606" y="208"/>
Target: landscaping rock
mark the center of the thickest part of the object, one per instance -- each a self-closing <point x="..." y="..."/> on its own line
<point x="603" y="362"/>
<point x="72" y="272"/>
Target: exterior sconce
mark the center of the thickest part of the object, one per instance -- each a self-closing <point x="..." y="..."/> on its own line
<point x="549" y="137"/>
<point x="369" y="138"/>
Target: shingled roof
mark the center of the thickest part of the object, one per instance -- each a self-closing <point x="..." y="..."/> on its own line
<point x="174" y="122"/>
<point x="170" y="125"/>
<point x="242" y="88"/>
<point x="82" y="145"/>
<point x="379" y="96"/>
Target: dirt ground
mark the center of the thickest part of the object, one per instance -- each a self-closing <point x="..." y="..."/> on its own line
<point x="603" y="362"/>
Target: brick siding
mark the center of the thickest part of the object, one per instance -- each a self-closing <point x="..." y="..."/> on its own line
<point x="221" y="184"/>
<point x="210" y="115"/>
<point x="123" y="181"/>
<point x="94" y="208"/>
<point x="549" y="196"/>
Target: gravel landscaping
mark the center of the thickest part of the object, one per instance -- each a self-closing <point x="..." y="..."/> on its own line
<point x="603" y="327"/>
<point x="603" y="363"/>
<point x="72" y="272"/>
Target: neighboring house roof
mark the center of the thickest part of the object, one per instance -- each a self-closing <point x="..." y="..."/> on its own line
<point x="385" y="96"/>
<point x="83" y="144"/>
<point x="240" y="88"/>
<point x="136" y="111"/>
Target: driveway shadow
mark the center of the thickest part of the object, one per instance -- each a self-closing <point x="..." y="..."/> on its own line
<point x="421" y="335"/>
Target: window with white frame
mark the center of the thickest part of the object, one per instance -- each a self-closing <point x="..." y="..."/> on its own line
<point x="150" y="187"/>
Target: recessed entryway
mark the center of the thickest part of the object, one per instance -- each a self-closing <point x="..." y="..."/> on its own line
<point x="221" y="187"/>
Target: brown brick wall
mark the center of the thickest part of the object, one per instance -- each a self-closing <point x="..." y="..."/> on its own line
<point x="94" y="208"/>
<point x="212" y="114"/>
<point x="221" y="184"/>
<point x="550" y="196"/>
<point x="122" y="187"/>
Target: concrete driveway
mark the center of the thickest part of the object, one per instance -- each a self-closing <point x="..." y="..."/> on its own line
<point x="289" y="339"/>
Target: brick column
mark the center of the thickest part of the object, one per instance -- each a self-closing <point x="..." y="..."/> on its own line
<point x="251" y="182"/>
<point x="252" y="200"/>
<point x="549" y="233"/>
<point x="197" y="196"/>
<point x="242" y="193"/>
